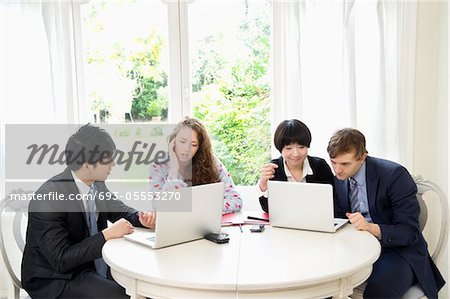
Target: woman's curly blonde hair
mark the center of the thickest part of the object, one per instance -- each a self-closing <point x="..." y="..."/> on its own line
<point x="203" y="167"/>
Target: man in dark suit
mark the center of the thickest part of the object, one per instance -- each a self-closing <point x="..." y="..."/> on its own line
<point x="379" y="196"/>
<point x="62" y="255"/>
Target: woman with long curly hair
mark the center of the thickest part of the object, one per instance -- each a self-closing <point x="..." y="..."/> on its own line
<point x="191" y="163"/>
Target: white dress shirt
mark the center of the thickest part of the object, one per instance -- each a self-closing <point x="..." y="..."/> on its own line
<point x="307" y="170"/>
<point x="83" y="188"/>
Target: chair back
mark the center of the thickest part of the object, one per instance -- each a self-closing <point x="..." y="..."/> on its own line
<point x="13" y="221"/>
<point x="423" y="187"/>
<point x="426" y="209"/>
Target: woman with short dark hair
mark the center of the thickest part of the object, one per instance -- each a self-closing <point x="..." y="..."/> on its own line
<point x="293" y="139"/>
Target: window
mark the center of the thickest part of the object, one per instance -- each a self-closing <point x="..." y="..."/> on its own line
<point x="141" y="55"/>
<point x="229" y="46"/>
<point x="126" y="55"/>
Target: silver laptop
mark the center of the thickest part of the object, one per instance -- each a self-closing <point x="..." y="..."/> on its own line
<point x="179" y="227"/>
<point x="305" y="206"/>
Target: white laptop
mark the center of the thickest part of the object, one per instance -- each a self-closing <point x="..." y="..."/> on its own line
<point x="305" y="206"/>
<point x="179" y="227"/>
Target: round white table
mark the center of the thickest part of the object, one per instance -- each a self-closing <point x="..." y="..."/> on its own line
<point x="275" y="263"/>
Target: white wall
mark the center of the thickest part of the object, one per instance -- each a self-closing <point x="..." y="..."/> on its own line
<point x="431" y="137"/>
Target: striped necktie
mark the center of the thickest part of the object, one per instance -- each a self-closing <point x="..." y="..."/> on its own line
<point x="353" y="195"/>
<point x="100" y="265"/>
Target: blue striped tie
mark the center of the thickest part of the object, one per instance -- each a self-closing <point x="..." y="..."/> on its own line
<point x="100" y="265"/>
<point x="353" y="195"/>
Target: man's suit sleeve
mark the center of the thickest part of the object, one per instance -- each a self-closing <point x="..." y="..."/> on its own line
<point x="49" y="229"/>
<point x="403" y="208"/>
<point x="116" y="209"/>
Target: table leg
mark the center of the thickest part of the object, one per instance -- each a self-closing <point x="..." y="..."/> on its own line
<point x="345" y="288"/>
<point x="134" y="295"/>
<point x="132" y="291"/>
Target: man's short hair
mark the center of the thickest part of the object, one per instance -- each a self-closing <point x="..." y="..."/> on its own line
<point x="345" y="141"/>
<point x="89" y="144"/>
<point x="291" y="131"/>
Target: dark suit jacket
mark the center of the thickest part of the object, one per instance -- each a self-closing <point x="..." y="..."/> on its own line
<point x="58" y="244"/>
<point x="321" y="174"/>
<point x="394" y="207"/>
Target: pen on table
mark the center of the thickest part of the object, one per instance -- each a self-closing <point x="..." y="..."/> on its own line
<point x="240" y="227"/>
<point x="256" y="218"/>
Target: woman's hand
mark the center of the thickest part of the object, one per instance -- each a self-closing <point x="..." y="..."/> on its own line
<point x="267" y="173"/>
<point x="174" y="166"/>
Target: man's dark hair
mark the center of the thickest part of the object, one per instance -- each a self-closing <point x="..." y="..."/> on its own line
<point x="346" y="141"/>
<point x="291" y="131"/>
<point x="89" y="144"/>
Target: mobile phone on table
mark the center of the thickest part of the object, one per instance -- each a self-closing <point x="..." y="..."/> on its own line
<point x="218" y="238"/>
<point x="258" y="228"/>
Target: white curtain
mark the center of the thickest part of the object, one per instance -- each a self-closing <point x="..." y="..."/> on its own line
<point x="40" y="62"/>
<point x="39" y="66"/>
<point x="25" y="73"/>
<point x="62" y="23"/>
<point x="347" y="64"/>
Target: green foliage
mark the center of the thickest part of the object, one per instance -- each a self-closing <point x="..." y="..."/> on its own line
<point x="150" y="79"/>
<point x="98" y="104"/>
<point x="143" y="66"/>
<point x="207" y="63"/>
<point x="139" y="61"/>
<point x="231" y="96"/>
<point x="148" y="103"/>
<point x="241" y="132"/>
<point x="235" y="106"/>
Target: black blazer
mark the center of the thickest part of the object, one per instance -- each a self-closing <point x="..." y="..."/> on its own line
<point x="58" y="244"/>
<point x="393" y="205"/>
<point x="321" y="174"/>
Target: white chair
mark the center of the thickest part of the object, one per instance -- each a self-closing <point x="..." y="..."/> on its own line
<point x="424" y="186"/>
<point x="13" y="223"/>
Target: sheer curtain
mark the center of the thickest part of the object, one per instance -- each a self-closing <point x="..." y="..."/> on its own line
<point x="25" y="73"/>
<point x="341" y="64"/>
<point x="41" y="62"/>
<point x="62" y="23"/>
<point x="39" y="66"/>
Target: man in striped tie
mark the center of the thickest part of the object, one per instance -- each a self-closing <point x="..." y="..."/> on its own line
<point x="379" y="196"/>
<point x="63" y="252"/>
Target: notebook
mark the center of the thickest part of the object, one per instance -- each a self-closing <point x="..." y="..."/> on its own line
<point x="179" y="227"/>
<point x="244" y="218"/>
<point x="305" y="206"/>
